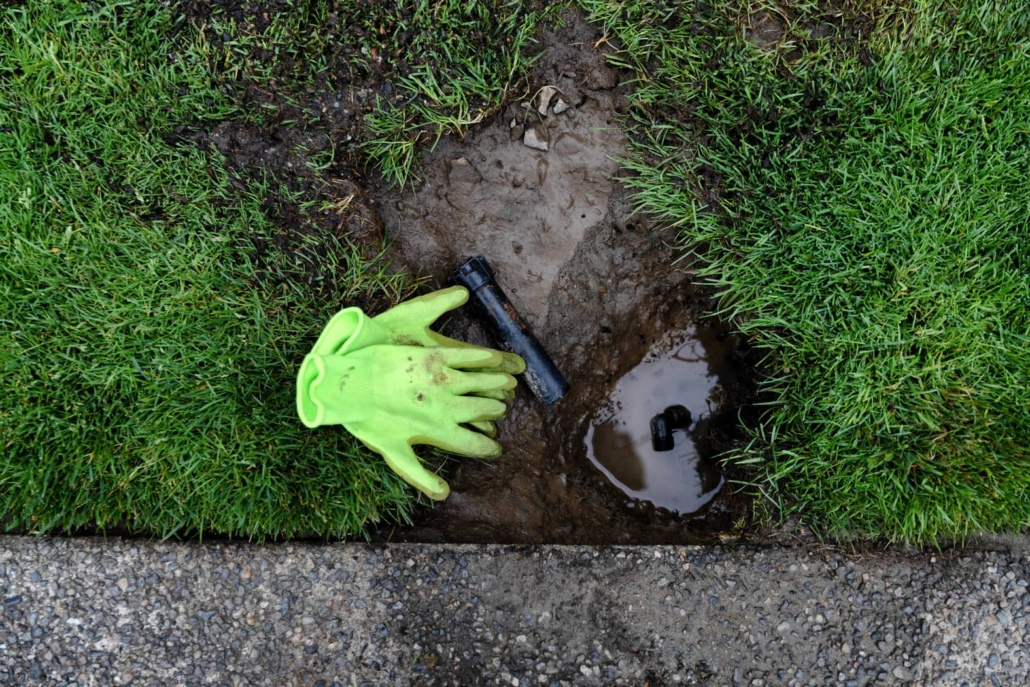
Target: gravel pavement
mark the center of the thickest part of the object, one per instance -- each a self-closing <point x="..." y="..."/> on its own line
<point x="95" y="612"/>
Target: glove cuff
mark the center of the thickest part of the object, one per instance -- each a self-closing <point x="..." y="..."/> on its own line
<point x="330" y="393"/>
<point x="349" y="330"/>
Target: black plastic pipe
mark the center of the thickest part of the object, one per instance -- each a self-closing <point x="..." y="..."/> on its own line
<point x="662" y="424"/>
<point x="512" y="333"/>
<point x="661" y="434"/>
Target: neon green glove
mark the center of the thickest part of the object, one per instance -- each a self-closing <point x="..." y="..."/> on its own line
<point x="405" y="324"/>
<point x="408" y="324"/>
<point x="391" y="397"/>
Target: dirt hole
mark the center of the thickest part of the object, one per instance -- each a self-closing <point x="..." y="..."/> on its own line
<point x="597" y="284"/>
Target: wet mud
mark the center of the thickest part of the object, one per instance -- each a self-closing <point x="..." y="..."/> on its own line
<point x="598" y="285"/>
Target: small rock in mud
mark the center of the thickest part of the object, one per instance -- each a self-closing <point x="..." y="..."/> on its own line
<point x="533" y="139"/>
<point x="463" y="173"/>
<point x="560" y="106"/>
<point x="544" y="99"/>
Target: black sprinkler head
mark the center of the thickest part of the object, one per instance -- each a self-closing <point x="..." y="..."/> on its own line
<point x="662" y="425"/>
<point x="677" y="416"/>
<point x="661" y="434"/>
<point x="512" y="333"/>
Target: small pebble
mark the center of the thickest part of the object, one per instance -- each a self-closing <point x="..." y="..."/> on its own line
<point x="544" y="99"/>
<point x="533" y="139"/>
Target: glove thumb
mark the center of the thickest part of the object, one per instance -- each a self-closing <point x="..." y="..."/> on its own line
<point x="414" y="316"/>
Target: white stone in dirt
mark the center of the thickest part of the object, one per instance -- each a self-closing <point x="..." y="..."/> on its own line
<point x="544" y="99"/>
<point x="560" y="106"/>
<point x="532" y="139"/>
<point x="463" y="173"/>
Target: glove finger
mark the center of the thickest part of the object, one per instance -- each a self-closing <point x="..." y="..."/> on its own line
<point x="447" y="342"/>
<point x="403" y="461"/>
<point x="461" y="383"/>
<point x="476" y="409"/>
<point x="505" y="396"/>
<point x="424" y="310"/>
<point x="485" y="427"/>
<point x="464" y="442"/>
<point x="511" y="363"/>
<point x="477" y="358"/>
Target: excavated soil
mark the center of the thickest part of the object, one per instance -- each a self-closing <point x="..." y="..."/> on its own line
<point x="595" y="281"/>
<point x="597" y="284"/>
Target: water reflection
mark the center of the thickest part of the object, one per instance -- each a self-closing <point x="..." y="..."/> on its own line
<point x="683" y="368"/>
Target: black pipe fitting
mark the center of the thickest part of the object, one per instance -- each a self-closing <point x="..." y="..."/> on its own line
<point x="662" y="425"/>
<point x="512" y="333"/>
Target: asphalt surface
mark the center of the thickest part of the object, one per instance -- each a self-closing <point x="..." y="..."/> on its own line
<point x="96" y="612"/>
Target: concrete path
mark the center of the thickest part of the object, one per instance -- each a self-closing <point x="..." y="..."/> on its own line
<point x="95" y="612"/>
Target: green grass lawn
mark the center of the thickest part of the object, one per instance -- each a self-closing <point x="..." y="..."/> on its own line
<point x="855" y="185"/>
<point x="147" y="366"/>
<point x="147" y="381"/>
<point x="853" y="182"/>
<point x="448" y="64"/>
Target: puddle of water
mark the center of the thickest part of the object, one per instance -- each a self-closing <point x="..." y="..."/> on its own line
<point x="679" y="370"/>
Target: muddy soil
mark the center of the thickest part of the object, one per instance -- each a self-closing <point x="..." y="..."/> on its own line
<point x="302" y="138"/>
<point x="597" y="284"/>
<point x="595" y="281"/>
